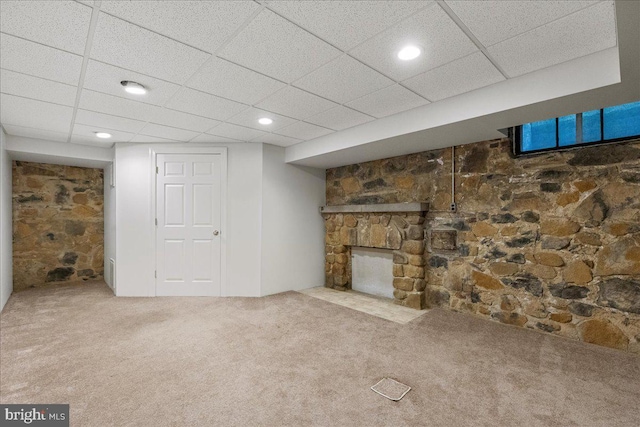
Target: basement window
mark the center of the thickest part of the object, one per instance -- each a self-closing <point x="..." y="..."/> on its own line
<point x="611" y="124"/>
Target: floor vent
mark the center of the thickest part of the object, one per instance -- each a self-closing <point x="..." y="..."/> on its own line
<point x="391" y="389"/>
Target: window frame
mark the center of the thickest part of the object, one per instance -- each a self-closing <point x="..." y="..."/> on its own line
<point x="516" y="137"/>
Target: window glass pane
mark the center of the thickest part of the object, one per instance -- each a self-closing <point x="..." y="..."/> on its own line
<point x="591" y="126"/>
<point x="622" y="121"/>
<point x="567" y="130"/>
<point x="539" y="135"/>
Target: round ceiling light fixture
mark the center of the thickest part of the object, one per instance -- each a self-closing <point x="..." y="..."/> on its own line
<point x="103" y="135"/>
<point x="410" y="52"/>
<point x="133" y="87"/>
<point x="265" y="121"/>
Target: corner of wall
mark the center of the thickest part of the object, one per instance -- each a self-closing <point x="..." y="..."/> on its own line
<point x="109" y="224"/>
<point x="292" y="246"/>
<point x="6" y="232"/>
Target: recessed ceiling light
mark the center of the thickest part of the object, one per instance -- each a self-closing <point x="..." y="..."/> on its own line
<point x="103" y="135"/>
<point x="265" y="121"/>
<point x="133" y="87"/>
<point x="408" y="53"/>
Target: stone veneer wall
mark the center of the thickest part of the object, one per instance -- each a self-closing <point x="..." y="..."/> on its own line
<point x="549" y="242"/>
<point x="58" y="224"/>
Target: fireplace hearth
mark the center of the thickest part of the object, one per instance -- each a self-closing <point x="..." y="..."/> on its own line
<point x="397" y="226"/>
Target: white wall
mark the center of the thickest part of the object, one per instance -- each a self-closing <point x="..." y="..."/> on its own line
<point x="292" y="227"/>
<point x="135" y="262"/>
<point x="244" y="202"/>
<point x="6" y="233"/>
<point x="109" y="225"/>
<point x="58" y="153"/>
<point x="274" y="235"/>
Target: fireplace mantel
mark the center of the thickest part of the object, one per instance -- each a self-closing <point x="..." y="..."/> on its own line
<point x="379" y="207"/>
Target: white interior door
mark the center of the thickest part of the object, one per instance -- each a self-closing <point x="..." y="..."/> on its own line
<point x="188" y="224"/>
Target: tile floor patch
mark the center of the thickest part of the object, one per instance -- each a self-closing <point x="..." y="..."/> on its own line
<point x="375" y="306"/>
<point x="391" y="389"/>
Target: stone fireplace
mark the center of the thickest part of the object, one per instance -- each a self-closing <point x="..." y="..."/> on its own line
<point x="399" y="227"/>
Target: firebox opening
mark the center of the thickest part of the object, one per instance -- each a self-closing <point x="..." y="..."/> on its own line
<point x="372" y="271"/>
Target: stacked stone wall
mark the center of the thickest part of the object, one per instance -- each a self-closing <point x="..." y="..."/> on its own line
<point x="549" y="242"/>
<point x="58" y="224"/>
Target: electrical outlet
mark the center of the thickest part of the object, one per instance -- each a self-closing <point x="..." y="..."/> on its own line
<point x="453" y="207"/>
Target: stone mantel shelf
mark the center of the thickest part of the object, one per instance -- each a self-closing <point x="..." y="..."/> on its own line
<point x="379" y="207"/>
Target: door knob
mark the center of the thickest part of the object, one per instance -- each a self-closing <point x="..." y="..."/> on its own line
<point x="216" y="232"/>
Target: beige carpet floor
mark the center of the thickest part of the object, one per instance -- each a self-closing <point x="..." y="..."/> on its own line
<point x="294" y="360"/>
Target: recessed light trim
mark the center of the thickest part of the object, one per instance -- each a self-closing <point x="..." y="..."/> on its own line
<point x="410" y="52"/>
<point x="103" y="135"/>
<point x="133" y="87"/>
<point x="265" y="121"/>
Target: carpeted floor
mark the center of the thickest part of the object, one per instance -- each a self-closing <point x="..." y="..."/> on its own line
<point x="294" y="360"/>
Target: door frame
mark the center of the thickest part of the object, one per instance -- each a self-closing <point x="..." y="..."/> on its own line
<point x="222" y="151"/>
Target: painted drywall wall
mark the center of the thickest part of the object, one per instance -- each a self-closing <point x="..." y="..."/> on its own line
<point x="57" y="153"/>
<point x="244" y="203"/>
<point x="109" y="224"/>
<point x="6" y="233"/>
<point x="292" y="227"/>
<point x="134" y="232"/>
<point x="135" y="262"/>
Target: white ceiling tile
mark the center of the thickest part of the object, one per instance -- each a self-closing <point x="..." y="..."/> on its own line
<point x="41" y="61"/>
<point x="304" y="131"/>
<point x="128" y="46"/>
<point x="346" y="24"/>
<point x="231" y="81"/>
<point x="240" y="133"/>
<point x="388" y="101"/>
<point x="206" y="138"/>
<point x="114" y="105"/>
<point x="34" y="114"/>
<point x="296" y="103"/>
<point x="249" y="118"/>
<point x="87" y="134"/>
<point x="106" y="78"/>
<point x="168" y="132"/>
<point x="493" y="21"/>
<point x="107" y="121"/>
<point x="204" y="104"/>
<point x="274" y="46"/>
<point x="460" y="76"/>
<point x="36" y="133"/>
<point x="60" y="24"/>
<point x="439" y="37"/>
<point x="36" y="88"/>
<point x="339" y="118"/>
<point x="202" y="24"/>
<point x="343" y="80"/>
<point x="582" y="33"/>
<point x="178" y="119"/>
<point x="145" y="139"/>
<point x="274" y="139"/>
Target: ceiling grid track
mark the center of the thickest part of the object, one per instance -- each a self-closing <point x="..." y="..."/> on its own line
<point x="344" y="52"/>
<point x="217" y="64"/>
<point x="214" y="54"/>
<point x="471" y="36"/>
<point x="85" y="61"/>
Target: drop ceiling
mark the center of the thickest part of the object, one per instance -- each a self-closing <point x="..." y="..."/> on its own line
<point x="316" y="68"/>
